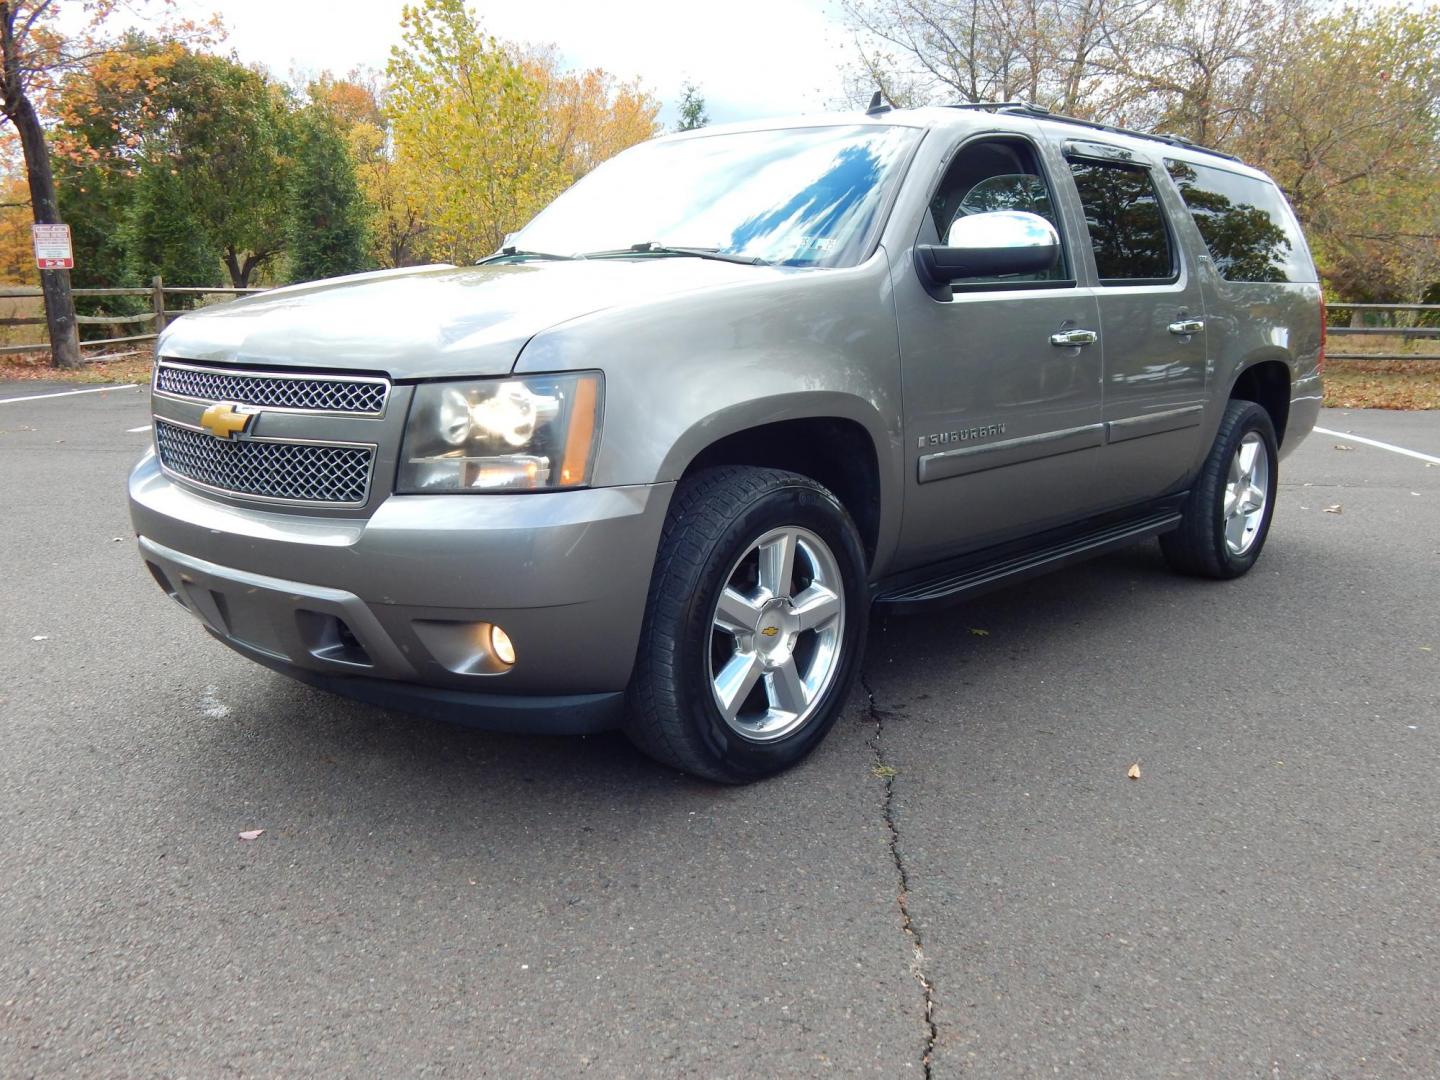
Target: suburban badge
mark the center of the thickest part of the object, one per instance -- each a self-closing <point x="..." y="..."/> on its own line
<point x="944" y="438"/>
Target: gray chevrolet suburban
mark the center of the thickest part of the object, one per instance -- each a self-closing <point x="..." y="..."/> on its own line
<point x="653" y="463"/>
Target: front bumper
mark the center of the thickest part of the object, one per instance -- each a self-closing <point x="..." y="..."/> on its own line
<point x="387" y="608"/>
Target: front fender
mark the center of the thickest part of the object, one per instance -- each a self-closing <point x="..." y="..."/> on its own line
<point x="686" y="371"/>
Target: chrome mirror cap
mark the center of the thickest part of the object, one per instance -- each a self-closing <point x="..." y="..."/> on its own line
<point x="1001" y="229"/>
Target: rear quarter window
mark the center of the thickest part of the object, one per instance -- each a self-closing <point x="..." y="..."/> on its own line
<point x="1246" y="223"/>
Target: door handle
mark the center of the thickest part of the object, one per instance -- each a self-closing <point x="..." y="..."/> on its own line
<point x="1074" y="337"/>
<point x="1186" y="326"/>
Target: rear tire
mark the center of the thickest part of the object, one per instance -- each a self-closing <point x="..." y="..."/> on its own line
<point x="1227" y="515"/>
<point x="754" y="625"/>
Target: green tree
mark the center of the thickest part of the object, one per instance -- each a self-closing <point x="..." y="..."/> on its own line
<point x="225" y="132"/>
<point x="230" y="132"/>
<point x="164" y="234"/>
<point x="692" y="108"/>
<point x="328" y="213"/>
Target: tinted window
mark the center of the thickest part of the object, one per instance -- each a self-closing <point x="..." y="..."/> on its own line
<point x="999" y="174"/>
<point x="1127" y="225"/>
<point x="1249" y="230"/>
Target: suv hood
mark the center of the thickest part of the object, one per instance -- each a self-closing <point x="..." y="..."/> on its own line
<point x="433" y="321"/>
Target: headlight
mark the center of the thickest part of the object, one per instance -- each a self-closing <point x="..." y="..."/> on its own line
<point x="528" y="434"/>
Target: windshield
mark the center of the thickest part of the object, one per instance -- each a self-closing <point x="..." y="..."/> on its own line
<point x="800" y="197"/>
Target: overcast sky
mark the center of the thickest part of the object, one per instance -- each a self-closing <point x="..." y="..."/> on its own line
<point x="751" y="58"/>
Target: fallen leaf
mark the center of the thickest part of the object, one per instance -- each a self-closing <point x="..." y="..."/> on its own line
<point x="1134" y="773"/>
<point x="1336" y="509"/>
<point x="979" y="633"/>
<point x="251" y="834"/>
<point x="1342" y="446"/>
<point x="41" y="637"/>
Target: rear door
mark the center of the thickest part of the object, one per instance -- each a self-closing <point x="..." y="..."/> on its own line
<point x="1152" y="323"/>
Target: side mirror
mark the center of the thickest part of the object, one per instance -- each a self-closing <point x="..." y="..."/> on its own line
<point x="990" y="245"/>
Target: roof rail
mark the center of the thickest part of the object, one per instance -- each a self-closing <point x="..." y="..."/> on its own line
<point x="1031" y="109"/>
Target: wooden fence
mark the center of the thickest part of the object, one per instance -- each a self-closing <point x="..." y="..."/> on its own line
<point x="1386" y="321"/>
<point x="1366" y="320"/>
<point x="155" y="318"/>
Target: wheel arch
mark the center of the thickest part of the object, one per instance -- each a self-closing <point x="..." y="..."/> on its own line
<point x="832" y="438"/>
<point x="1266" y="381"/>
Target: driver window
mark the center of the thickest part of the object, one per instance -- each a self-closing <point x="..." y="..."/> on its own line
<point x="994" y="174"/>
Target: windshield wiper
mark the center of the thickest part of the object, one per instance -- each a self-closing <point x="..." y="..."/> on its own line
<point x="521" y="253"/>
<point x="649" y="248"/>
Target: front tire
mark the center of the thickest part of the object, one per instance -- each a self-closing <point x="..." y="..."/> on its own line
<point x="754" y="625"/>
<point x="1227" y="516"/>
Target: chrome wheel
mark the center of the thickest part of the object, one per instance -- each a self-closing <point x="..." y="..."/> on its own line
<point x="776" y="634"/>
<point x="1246" y="492"/>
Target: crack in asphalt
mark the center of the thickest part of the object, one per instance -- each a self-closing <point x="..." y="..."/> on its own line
<point x="886" y="773"/>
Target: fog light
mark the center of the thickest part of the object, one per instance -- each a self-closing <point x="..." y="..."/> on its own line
<point x="501" y="645"/>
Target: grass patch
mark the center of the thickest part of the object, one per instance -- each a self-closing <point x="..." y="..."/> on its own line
<point x="132" y="366"/>
<point x="1382" y="384"/>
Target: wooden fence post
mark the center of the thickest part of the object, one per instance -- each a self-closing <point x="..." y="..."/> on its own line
<point x="157" y="288"/>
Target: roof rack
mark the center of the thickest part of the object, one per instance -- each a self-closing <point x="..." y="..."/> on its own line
<point x="1029" y="108"/>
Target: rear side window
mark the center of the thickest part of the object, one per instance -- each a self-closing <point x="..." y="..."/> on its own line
<point x="1127" y="225"/>
<point x="1250" y="231"/>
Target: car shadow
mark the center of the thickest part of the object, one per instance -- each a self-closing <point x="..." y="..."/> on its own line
<point x="361" y="769"/>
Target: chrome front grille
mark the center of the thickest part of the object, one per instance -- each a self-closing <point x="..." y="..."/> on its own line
<point x="347" y="394"/>
<point x="267" y="469"/>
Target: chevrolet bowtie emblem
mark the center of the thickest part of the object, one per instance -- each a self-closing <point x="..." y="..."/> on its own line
<point x="770" y="631"/>
<point x="224" y="420"/>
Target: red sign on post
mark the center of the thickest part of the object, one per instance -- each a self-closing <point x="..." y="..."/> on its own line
<point x="52" y="247"/>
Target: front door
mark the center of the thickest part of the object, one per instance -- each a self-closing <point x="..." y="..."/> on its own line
<point x="1001" y="381"/>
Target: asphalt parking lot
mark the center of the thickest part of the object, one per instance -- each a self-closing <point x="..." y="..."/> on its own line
<point x="962" y="879"/>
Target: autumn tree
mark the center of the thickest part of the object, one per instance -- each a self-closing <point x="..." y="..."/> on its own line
<point x="397" y="231"/>
<point x="1051" y="52"/>
<point x="469" y="127"/>
<point x="17" y="257"/>
<point x="1200" y="68"/>
<point x="32" y="54"/>
<point x="1341" y="106"/>
<point x="399" y="235"/>
<point x="1353" y="136"/>
<point x="589" y="116"/>
<point x="489" y="133"/>
<point x="349" y="100"/>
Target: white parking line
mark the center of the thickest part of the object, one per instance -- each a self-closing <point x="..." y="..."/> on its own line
<point x="67" y="393"/>
<point x="1382" y="445"/>
<point x="132" y="430"/>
